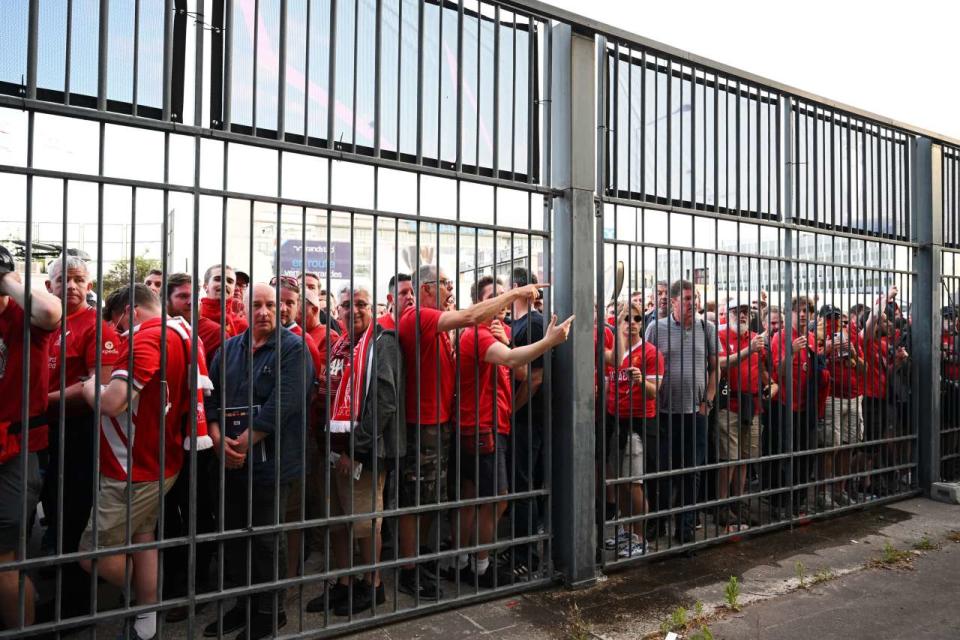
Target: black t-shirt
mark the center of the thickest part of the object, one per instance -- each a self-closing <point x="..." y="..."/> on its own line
<point x="528" y="330"/>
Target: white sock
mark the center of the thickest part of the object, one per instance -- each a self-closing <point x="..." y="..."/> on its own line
<point x="480" y="566"/>
<point x="463" y="560"/>
<point x="146" y="625"/>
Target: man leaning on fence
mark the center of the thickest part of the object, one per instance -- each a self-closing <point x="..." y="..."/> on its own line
<point x="44" y="315"/>
<point x="430" y="378"/>
<point x="261" y="441"/>
<point x="689" y="347"/>
<point x="144" y="424"/>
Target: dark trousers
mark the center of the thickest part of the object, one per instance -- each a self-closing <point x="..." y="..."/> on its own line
<point x="788" y="431"/>
<point x="681" y="443"/>
<point x="176" y="524"/>
<point x="526" y="459"/>
<point x="76" y="500"/>
<point x="265" y="555"/>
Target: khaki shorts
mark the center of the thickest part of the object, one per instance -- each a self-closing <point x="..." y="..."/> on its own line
<point x="627" y="461"/>
<point x="364" y="495"/>
<point x="112" y="511"/>
<point x="843" y="422"/>
<point x="739" y="436"/>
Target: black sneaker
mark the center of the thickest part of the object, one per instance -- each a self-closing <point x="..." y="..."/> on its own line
<point x="362" y="598"/>
<point x="233" y="620"/>
<point x="426" y="589"/>
<point x="261" y="626"/>
<point x="484" y="580"/>
<point x="179" y="614"/>
<point x="335" y="595"/>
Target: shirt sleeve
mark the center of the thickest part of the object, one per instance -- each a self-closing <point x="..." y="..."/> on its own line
<point x="146" y="360"/>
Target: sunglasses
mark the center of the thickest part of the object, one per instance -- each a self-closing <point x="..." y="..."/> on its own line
<point x="635" y="319"/>
<point x="359" y="304"/>
<point x="287" y="280"/>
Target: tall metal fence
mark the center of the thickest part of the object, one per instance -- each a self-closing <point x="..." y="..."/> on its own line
<point x="334" y="397"/>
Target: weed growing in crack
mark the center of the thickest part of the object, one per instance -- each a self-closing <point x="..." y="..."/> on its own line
<point x="731" y="593"/>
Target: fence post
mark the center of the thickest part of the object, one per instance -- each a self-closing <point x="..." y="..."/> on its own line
<point x="573" y="158"/>
<point x="927" y="211"/>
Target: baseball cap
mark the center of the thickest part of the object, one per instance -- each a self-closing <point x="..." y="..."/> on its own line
<point x="733" y="306"/>
<point x="830" y="311"/>
<point x="242" y="277"/>
<point x="6" y="260"/>
<point x="949" y="312"/>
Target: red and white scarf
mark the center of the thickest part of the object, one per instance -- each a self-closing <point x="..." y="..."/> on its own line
<point x="349" y="399"/>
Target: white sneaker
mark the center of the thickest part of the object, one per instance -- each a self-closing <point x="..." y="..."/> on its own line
<point x="634" y="547"/>
<point x="622" y="537"/>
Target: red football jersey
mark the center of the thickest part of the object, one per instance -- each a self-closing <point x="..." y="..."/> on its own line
<point x="434" y="394"/>
<point x="480" y="377"/>
<point x="81" y="347"/>
<point x="144" y="428"/>
<point x="626" y="398"/>
<point x="743" y="377"/>
<point x="11" y="380"/>
<point x="803" y="368"/>
<point x="311" y="347"/>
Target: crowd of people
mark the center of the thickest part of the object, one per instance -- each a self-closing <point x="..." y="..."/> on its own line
<point x="291" y="408"/>
<point x="295" y="405"/>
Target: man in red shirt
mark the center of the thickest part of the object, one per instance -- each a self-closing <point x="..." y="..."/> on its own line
<point x="843" y="414"/>
<point x="179" y="304"/>
<point x="485" y="360"/>
<point x="430" y="379"/>
<point x="45" y="313"/>
<point x="154" y="280"/>
<point x="802" y="411"/>
<point x="742" y="358"/>
<point x="219" y="283"/>
<point x="399" y="293"/>
<point x="882" y="363"/>
<point x="73" y="356"/>
<point x="131" y="437"/>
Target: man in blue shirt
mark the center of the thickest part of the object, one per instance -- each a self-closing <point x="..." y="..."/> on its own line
<point x="262" y="439"/>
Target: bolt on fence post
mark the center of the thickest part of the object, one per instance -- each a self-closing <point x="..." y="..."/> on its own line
<point x="573" y="120"/>
<point x="927" y="211"/>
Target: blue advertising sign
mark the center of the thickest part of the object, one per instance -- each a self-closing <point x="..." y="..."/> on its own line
<point x="339" y="257"/>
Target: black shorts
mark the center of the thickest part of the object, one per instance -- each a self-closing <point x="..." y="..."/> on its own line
<point x="11" y="499"/>
<point x="423" y="473"/>
<point x="491" y="467"/>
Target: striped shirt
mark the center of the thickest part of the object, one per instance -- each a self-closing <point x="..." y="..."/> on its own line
<point x="685" y="353"/>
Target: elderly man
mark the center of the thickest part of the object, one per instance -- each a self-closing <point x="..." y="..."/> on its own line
<point x="430" y="379"/>
<point x="689" y="347"/>
<point x="744" y="364"/>
<point x="44" y="315"/>
<point x="257" y="419"/>
<point x="73" y="357"/>
<point x="366" y="432"/>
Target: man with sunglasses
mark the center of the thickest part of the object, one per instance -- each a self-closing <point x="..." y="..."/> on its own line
<point x="430" y="378"/>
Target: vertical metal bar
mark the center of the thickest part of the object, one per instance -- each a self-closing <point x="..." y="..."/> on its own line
<point x="168" y="60"/>
<point x="927" y="214"/>
<point x="306" y="108"/>
<point x="68" y="54"/>
<point x="496" y="92"/>
<point x="377" y="97"/>
<point x="255" y="67"/>
<point x="103" y="55"/>
<point x="33" y="36"/>
<point x="136" y="57"/>
<point x="356" y="46"/>
<point x="421" y="37"/>
<point x="282" y="81"/>
<point x="573" y="401"/>
<point x="228" y="69"/>
<point x="332" y="84"/>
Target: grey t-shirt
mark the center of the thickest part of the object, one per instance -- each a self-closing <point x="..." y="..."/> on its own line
<point x="685" y="352"/>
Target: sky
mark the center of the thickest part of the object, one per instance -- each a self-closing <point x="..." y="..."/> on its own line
<point x="896" y="59"/>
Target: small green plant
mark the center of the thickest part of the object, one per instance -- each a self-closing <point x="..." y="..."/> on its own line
<point x="578" y="628"/>
<point x="801" y="572"/>
<point x="925" y="544"/>
<point x="823" y="575"/>
<point x="892" y="557"/>
<point x="703" y="634"/>
<point x="697" y="610"/>
<point x="676" y="622"/>
<point x="731" y="593"/>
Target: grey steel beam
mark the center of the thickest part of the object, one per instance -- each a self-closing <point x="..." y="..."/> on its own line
<point x="573" y="167"/>
<point x="927" y="212"/>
